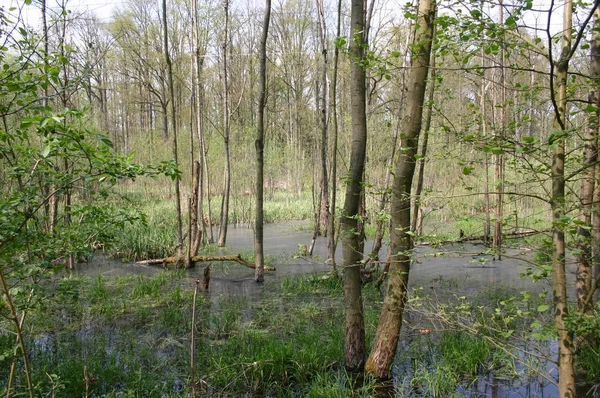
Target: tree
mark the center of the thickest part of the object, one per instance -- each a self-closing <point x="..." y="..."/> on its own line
<point x="390" y="321"/>
<point x="324" y="212"/>
<point x="353" y="306"/>
<point x="585" y="266"/>
<point x="36" y="142"/>
<point x="566" y="353"/>
<point x="226" y="128"/>
<point x="174" y="119"/>
<point x="331" y="244"/>
<point x="260" y="147"/>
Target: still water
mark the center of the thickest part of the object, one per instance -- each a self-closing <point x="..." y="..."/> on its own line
<point x="462" y="268"/>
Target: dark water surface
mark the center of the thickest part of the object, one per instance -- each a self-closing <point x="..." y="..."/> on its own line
<point x="458" y="268"/>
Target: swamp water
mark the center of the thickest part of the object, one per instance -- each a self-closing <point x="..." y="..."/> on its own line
<point x="136" y="346"/>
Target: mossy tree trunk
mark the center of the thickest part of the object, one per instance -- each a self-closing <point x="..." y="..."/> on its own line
<point x="390" y="321"/>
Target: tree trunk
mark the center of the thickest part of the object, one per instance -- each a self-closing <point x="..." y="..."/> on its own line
<point x="324" y="201"/>
<point x="331" y="245"/>
<point x="353" y="306"/>
<point x="488" y="222"/>
<point x="380" y="231"/>
<point x="198" y="65"/>
<point x="260" y="147"/>
<point x="352" y="256"/>
<point x="499" y="158"/>
<point x="174" y="119"/>
<point x="566" y="373"/>
<point x="224" y="219"/>
<point x="390" y="321"/>
<point x="585" y="271"/>
<point x="195" y="231"/>
<point x="416" y="225"/>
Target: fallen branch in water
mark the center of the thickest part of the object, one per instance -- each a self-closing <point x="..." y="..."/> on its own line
<point x="199" y="259"/>
<point x="481" y="238"/>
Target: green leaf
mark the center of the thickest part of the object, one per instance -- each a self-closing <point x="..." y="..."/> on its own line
<point x="543" y="307"/>
<point x="511" y="22"/>
<point x="45" y="152"/>
<point x="467" y="170"/>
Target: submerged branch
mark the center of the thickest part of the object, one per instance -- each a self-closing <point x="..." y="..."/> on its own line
<point x="198" y="259"/>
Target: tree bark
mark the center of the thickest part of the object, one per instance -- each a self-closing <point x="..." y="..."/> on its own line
<point x="224" y="219"/>
<point x="332" y="243"/>
<point x="199" y="103"/>
<point x="499" y="158"/>
<point x="416" y="221"/>
<point x="585" y="266"/>
<point x="201" y="259"/>
<point x="195" y="217"/>
<point x="324" y="201"/>
<point x="566" y="372"/>
<point x="390" y="321"/>
<point x="174" y="119"/>
<point x="260" y="147"/>
<point x="353" y="306"/>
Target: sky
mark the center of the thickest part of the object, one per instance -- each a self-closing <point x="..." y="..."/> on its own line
<point x="31" y="14"/>
<point x="104" y="9"/>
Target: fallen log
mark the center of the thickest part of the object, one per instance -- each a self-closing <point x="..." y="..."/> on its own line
<point x="200" y="259"/>
<point x="481" y="238"/>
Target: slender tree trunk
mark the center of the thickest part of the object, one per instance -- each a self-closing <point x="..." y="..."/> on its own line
<point x="380" y="232"/>
<point x="331" y="246"/>
<point x="566" y="373"/>
<point x="488" y="221"/>
<point x="353" y="306"/>
<point x="174" y="118"/>
<point x="227" y="183"/>
<point x="199" y="63"/>
<point x="499" y="158"/>
<point x="587" y="254"/>
<point x="260" y="146"/>
<point x="165" y="118"/>
<point x="195" y="231"/>
<point x="416" y="221"/>
<point x="208" y="221"/>
<point x="324" y="201"/>
<point x="390" y="321"/>
<point x="595" y="127"/>
<point x="49" y="207"/>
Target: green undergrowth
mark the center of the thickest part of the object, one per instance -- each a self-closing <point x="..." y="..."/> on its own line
<point x="130" y="336"/>
<point x="155" y="234"/>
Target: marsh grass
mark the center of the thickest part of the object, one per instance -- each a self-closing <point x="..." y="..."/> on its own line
<point x="438" y="365"/>
<point x="131" y="334"/>
<point x="154" y="235"/>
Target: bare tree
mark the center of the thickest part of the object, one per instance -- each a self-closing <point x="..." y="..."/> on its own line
<point x="174" y="119"/>
<point x="226" y="127"/>
<point x="260" y="147"/>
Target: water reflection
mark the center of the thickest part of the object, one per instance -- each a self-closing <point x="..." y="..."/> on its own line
<point x="458" y="267"/>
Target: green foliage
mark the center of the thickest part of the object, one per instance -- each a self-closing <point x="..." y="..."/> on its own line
<point x="329" y="284"/>
<point x="56" y="172"/>
<point x="464" y="353"/>
<point x="140" y="342"/>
